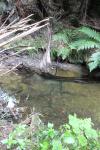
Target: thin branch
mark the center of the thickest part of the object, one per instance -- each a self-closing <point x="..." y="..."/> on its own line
<point x="11" y="13"/>
<point x="6" y="57"/>
<point x="10" y="70"/>
<point x="86" y="7"/>
<point x="19" y="46"/>
<point x="22" y="35"/>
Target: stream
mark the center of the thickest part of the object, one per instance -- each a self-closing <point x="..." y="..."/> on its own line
<point x="53" y="99"/>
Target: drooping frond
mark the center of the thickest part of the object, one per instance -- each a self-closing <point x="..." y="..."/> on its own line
<point x="94" y="60"/>
<point x="19" y="30"/>
<point x="64" y="52"/>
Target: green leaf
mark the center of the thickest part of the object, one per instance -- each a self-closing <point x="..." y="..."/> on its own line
<point x="60" y="37"/>
<point x="90" y="33"/>
<point x="69" y="140"/>
<point x="56" y="145"/>
<point x="84" y="44"/>
<point x="91" y="134"/>
<point x="44" y="145"/>
<point x="82" y="140"/>
<point x="75" y="123"/>
<point x="94" y="61"/>
<point x="50" y="125"/>
<point x="64" y="52"/>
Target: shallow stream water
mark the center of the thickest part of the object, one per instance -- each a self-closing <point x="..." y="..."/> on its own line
<point x="54" y="99"/>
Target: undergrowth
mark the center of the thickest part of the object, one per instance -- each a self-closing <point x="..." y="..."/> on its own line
<point x="81" y="45"/>
<point x="78" y="134"/>
<point x="31" y="44"/>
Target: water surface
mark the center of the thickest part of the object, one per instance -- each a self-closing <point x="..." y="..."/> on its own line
<point x="54" y="99"/>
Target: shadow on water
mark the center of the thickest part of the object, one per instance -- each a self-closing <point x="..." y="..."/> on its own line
<point x="55" y="99"/>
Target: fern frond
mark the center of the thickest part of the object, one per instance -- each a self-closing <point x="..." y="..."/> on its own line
<point x="84" y="44"/>
<point x="71" y="34"/>
<point x="78" y="44"/>
<point x="94" y="61"/>
<point x="60" y="37"/>
<point x="90" y="33"/>
<point x="66" y="35"/>
<point x="64" y="52"/>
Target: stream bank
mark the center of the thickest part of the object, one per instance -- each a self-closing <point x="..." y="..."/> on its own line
<point x="56" y="70"/>
<point x="31" y="64"/>
<point x="54" y="96"/>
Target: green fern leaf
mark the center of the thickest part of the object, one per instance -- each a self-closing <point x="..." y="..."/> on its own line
<point x="84" y="44"/>
<point x="65" y="35"/>
<point x="60" y="37"/>
<point x="71" y="34"/>
<point x="90" y="33"/>
<point x="94" y="61"/>
<point x="78" y="44"/>
<point x="64" y="53"/>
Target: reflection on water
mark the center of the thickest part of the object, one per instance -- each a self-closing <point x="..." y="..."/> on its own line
<point x="55" y="99"/>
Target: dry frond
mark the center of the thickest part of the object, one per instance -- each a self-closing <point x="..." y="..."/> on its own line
<point x="20" y="29"/>
<point x="15" y="31"/>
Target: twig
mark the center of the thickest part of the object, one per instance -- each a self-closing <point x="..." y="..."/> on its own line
<point x="11" y="13"/>
<point x="85" y="11"/>
<point x="33" y="29"/>
<point x="6" y="49"/>
<point x="7" y="34"/>
<point x="9" y="70"/>
<point x="13" y="24"/>
<point x="28" y="48"/>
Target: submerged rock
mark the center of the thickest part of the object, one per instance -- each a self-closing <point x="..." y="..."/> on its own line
<point x="8" y="107"/>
